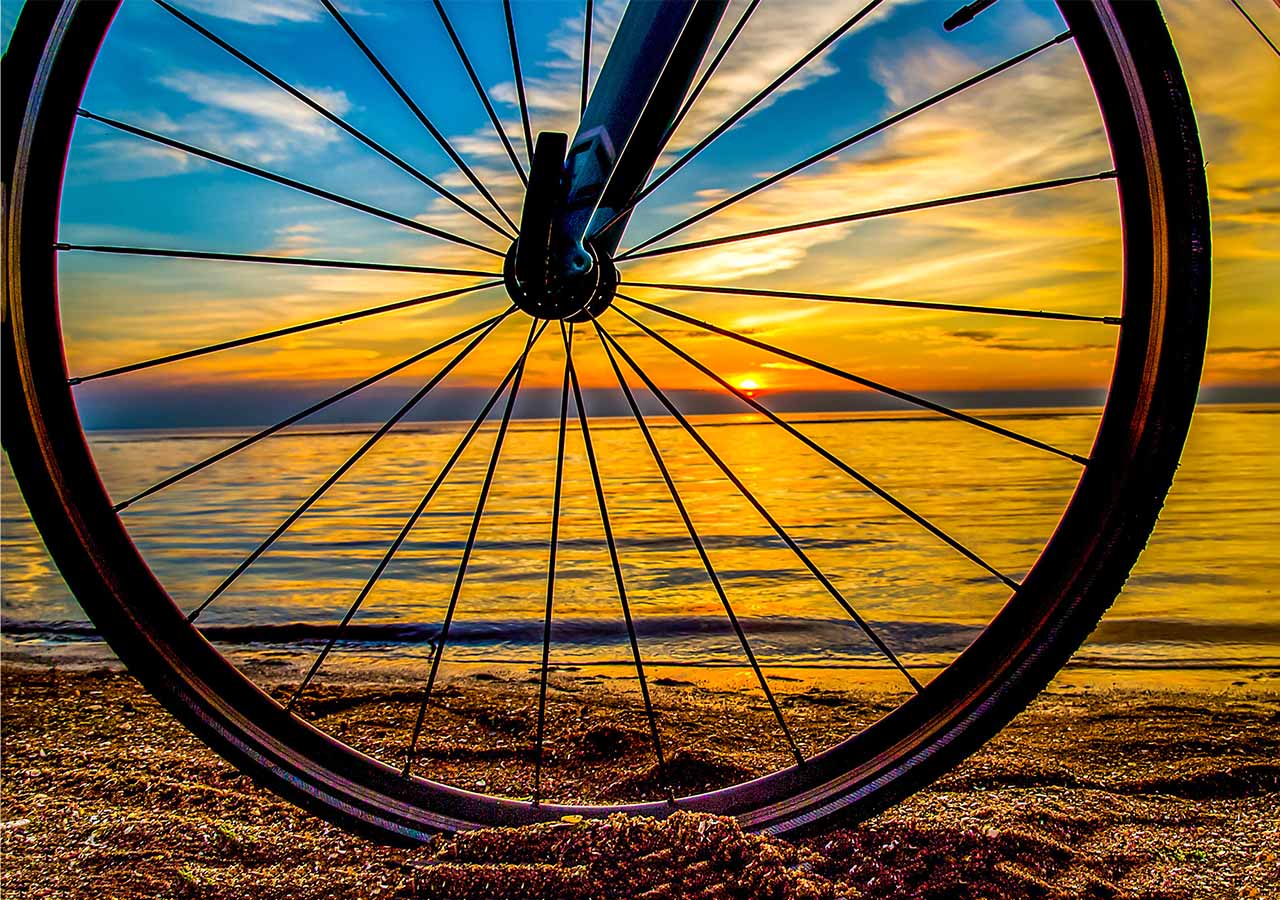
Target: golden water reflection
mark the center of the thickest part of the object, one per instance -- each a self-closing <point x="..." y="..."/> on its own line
<point x="1199" y="597"/>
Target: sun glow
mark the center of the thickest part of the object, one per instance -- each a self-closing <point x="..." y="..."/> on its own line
<point x="748" y="386"/>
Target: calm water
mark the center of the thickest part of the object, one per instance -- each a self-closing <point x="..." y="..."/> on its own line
<point x="1202" y="595"/>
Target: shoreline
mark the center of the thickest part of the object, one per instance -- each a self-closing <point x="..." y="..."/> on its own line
<point x="271" y="663"/>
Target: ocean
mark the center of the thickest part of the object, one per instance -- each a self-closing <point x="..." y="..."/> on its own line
<point x="1203" y="595"/>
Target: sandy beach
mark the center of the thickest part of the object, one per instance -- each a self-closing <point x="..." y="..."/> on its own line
<point x="1099" y="790"/>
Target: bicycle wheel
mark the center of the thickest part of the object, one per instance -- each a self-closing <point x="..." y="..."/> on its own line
<point x="949" y="697"/>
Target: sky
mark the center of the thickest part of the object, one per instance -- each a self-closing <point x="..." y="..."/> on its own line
<point x="1056" y="249"/>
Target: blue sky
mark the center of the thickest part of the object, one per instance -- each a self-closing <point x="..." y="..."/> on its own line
<point x="155" y="71"/>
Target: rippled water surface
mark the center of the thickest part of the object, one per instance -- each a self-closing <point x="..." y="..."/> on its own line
<point x="1202" y="595"/>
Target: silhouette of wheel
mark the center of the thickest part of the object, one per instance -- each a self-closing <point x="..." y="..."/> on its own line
<point x="1160" y="338"/>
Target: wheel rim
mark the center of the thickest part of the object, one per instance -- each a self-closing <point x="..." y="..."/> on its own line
<point x="249" y="725"/>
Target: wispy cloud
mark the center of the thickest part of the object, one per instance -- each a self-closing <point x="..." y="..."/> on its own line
<point x="996" y="340"/>
<point x="259" y="12"/>
<point x="263" y="102"/>
<point x="1032" y="123"/>
<point x="241" y="117"/>
<point x="249" y="117"/>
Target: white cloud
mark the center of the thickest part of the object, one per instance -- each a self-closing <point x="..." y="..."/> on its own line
<point x="1035" y="122"/>
<point x="259" y="12"/>
<point x="260" y="100"/>
<point x="241" y="117"/>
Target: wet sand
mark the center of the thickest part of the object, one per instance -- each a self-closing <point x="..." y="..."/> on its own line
<point x="1101" y="789"/>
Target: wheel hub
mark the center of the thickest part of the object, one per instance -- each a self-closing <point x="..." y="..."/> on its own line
<point x="577" y="292"/>
<point x="552" y="271"/>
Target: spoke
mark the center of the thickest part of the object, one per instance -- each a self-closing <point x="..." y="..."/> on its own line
<point x="685" y="158"/>
<point x="1262" y="34"/>
<point x="413" y="107"/>
<point x="858" y="379"/>
<point x="613" y="556"/>
<point x="551" y="585"/>
<point x="848" y="142"/>
<point x="873" y="301"/>
<point x="966" y="14"/>
<point x="336" y="120"/>
<point x="760" y="508"/>
<point x="515" y="66"/>
<point x="442" y="638"/>
<point x="711" y="69"/>
<point x="311" y="410"/>
<point x="868" y="214"/>
<point x="319" y="492"/>
<point x="282" y="332"/>
<point x="827" y="455"/>
<point x="408" y="527"/>
<point x="583" y="84"/>
<point x="287" y="182"/>
<point x="277" y="260"/>
<point x="697" y="542"/>
<point x="480" y="92"/>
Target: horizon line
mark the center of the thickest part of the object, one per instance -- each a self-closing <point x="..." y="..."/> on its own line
<point x="214" y="411"/>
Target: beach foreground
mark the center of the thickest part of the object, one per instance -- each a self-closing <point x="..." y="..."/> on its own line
<point x="1096" y="791"/>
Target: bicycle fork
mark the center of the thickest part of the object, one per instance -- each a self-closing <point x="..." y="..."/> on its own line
<point x="560" y="266"/>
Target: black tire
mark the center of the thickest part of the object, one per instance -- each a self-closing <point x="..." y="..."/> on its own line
<point x="1145" y="106"/>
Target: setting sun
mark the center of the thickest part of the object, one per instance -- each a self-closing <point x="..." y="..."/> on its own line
<point x="750" y="385"/>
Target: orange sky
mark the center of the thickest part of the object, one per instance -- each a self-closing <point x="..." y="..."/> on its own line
<point x="1055" y="250"/>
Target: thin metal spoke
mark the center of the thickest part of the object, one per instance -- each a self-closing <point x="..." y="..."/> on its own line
<point x="443" y="637"/>
<point x="869" y="214"/>
<point x="1262" y="34"/>
<point x="760" y="508"/>
<point x="284" y="423"/>
<point x="408" y="527"/>
<point x="515" y="66"/>
<point x="583" y="83"/>
<point x="613" y="555"/>
<point x="858" y="379"/>
<point x="827" y="455"/>
<point x="711" y="69"/>
<point x="287" y="182"/>
<point x="702" y="550"/>
<point x="277" y="260"/>
<point x="874" y="301"/>
<point x="551" y="586"/>
<point x="413" y="107"/>
<point x="764" y="94"/>
<point x="848" y="142"/>
<point x="482" y="94"/>
<point x="336" y="120"/>
<point x="319" y="492"/>
<point x="282" y="332"/>
<point x="966" y="14"/>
